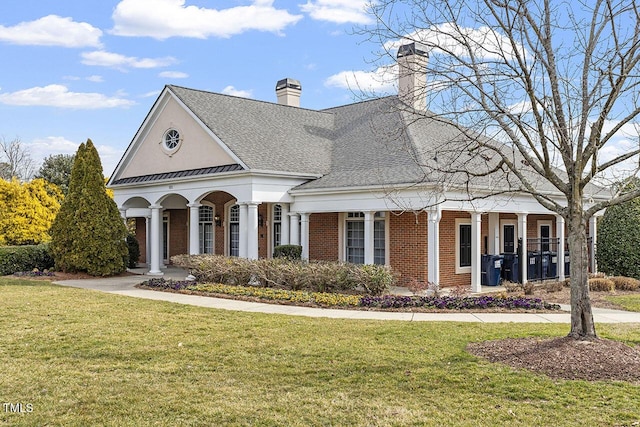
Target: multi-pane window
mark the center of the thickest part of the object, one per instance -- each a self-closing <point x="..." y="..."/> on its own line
<point x="545" y="237"/>
<point x="206" y="229"/>
<point x="354" y="246"/>
<point x="355" y="238"/>
<point x="379" y="254"/>
<point x="234" y="230"/>
<point x="277" y="225"/>
<point x="465" y="245"/>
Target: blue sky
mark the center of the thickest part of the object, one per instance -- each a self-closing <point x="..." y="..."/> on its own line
<point x="75" y="69"/>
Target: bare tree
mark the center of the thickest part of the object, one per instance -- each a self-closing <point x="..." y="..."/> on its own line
<point x="15" y="160"/>
<point x="540" y="91"/>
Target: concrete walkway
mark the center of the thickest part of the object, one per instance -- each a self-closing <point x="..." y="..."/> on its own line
<point x="126" y="286"/>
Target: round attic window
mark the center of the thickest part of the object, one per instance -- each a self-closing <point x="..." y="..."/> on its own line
<point x="171" y="139"/>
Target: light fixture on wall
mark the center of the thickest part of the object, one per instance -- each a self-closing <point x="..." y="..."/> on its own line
<point x="260" y="220"/>
<point x="217" y="220"/>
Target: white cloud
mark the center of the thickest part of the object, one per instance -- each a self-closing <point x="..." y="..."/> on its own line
<point x="41" y="148"/>
<point x="103" y="58"/>
<point x="52" y="30"/>
<point x="338" y="11"/>
<point x="150" y="94"/>
<point x="59" y="96"/>
<point x="95" y="78"/>
<point x="173" y="75"/>
<point x="162" y="19"/>
<point x="484" y="42"/>
<point x="230" y="90"/>
<point x="381" y="80"/>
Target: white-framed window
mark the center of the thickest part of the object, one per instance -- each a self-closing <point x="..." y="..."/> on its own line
<point x="544" y="234"/>
<point x="354" y="245"/>
<point x="354" y="238"/>
<point x="234" y="230"/>
<point x="171" y="141"/>
<point x="508" y="236"/>
<point x="206" y="227"/>
<point x="463" y="245"/>
<point x="165" y="236"/>
<point x="277" y="226"/>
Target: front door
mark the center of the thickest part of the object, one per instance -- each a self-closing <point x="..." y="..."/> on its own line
<point x="509" y="235"/>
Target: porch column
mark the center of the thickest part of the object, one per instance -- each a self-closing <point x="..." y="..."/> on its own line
<point x="560" y="251"/>
<point x="494" y="234"/>
<point x="147" y="243"/>
<point x="476" y="246"/>
<point x="242" y="244"/>
<point x="156" y="240"/>
<point x="252" y="230"/>
<point x="284" y="224"/>
<point x="522" y="256"/>
<point x="304" y="235"/>
<point x="294" y="229"/>
<point x="369" y="218"/>
<point x="123" y="214"/>
<point x="194" y="228"/>
<point x="593" y="233"/>
<point x="433" y="246"/>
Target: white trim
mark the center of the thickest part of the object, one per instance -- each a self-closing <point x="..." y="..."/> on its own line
<point x="543" y="222"/>
<point x="167" y="215"/>
<point x="514" y="223"/>
<point x="213" y="206"/>
<point x="225" y="225"/>
<point x="458" y="223"/>
<point x="342" y="230"/>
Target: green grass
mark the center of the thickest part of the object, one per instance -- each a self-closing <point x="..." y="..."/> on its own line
<point x="627" y="302"/>
<point x="86" y="358"/>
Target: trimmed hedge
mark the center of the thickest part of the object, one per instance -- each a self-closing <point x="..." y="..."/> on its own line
<point x="288" y="251"/>
<point x="14" y="259"/>
<point x="284" y="273"/>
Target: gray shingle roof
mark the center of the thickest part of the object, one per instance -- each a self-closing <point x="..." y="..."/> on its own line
<point x="180" y="174"/>
<point x="370" y="143"/>
<point x="265" y="136"/>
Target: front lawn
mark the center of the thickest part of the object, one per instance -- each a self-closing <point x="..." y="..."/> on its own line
<point x="627" y="302"/>
<point x="80" y="357"/>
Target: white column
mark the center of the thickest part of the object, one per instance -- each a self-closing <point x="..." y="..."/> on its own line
<point x="433" y="246"/>
<point x="156" y="239"/>
<point x="123" y="214"/>
<point x="194" y="228"/>
<point x="161" y="242"/>
<point x="560" y="234"/>
<point x="369" y="218"/>
<point x="523" y="259"/>
<point x="476" y="251"/>
<point x="593" y="233"/>
<point x="252" y="230"/>
<point x="294" y="229"/>
<point x="147" y="247"/>
<point x="242" y="244"/>
<point x="494" y="233"/>
<point x="284" y="225"/>
<point x="304" y="235"/>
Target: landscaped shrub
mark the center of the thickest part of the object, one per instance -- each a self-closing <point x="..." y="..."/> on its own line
<point x="618" y="240"/>
<point x="554" y="286"/>
<point x="455" y="303"/>
<point x="625" y="283"/>
<point x="601" y="284"/>
<point x="288" y="251"/>
<point x="134" y="251"/>
<point x="287" y="274"/>
<point x="24" y="258"/>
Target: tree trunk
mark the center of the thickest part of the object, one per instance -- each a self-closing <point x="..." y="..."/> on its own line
<point x="582" y="325"/>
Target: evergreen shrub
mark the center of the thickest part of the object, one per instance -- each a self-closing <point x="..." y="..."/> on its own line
<point x="288" y="251"/>
<point x="15" y="259"/>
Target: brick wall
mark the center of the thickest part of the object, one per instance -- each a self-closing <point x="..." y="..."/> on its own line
<point x="323" y="237"/>
<point x="178" y="231"/>
<point x="408" y="245"/>
<point x="141" y="237"/>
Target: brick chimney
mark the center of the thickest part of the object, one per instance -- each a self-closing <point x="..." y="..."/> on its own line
<point x="412" y="83"/>
<point x="288" y="92"/>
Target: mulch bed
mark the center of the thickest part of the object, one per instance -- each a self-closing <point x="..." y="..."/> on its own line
<point x="565" y="358"/>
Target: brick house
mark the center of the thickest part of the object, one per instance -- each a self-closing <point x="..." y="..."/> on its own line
<point x="212" y="173"/>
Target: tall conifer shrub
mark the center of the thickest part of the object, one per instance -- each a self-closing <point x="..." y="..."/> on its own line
<point x="88" y="234"/>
